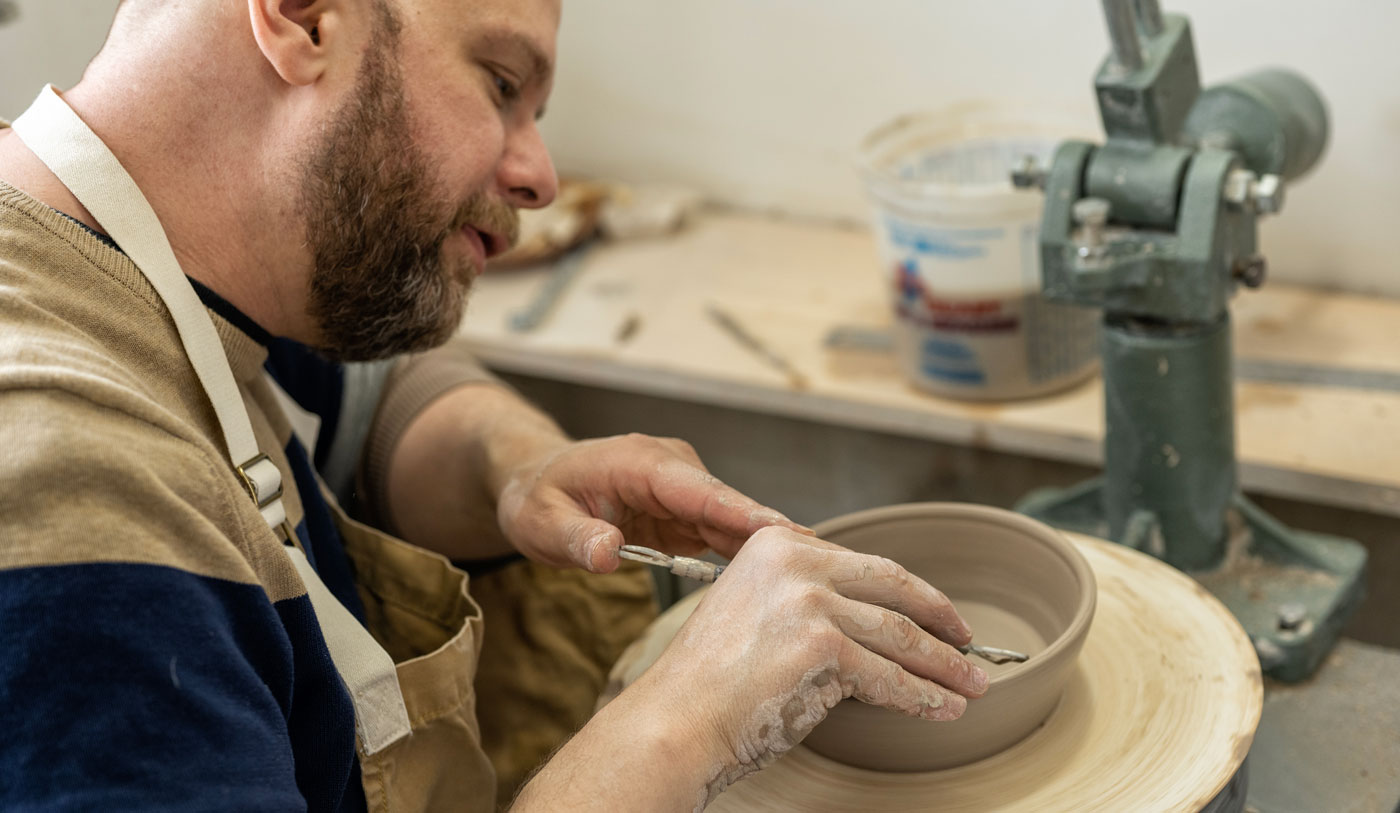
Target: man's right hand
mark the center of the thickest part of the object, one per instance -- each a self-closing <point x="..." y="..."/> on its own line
<point x="795" y="625"/>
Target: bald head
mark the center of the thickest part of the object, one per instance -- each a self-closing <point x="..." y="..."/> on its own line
<point x="340" y="170"/>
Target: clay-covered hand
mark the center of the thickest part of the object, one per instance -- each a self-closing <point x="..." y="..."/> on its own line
<point x="577" y="505"/>
<point x="795" y="625"/>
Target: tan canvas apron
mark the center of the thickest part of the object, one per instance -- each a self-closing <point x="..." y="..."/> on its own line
<point x="411" y="682"/>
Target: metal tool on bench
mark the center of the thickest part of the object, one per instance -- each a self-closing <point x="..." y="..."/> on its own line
<point x="1158" y="227"/>
<point x="542" y="304"/>
<point x="700" y="570"/>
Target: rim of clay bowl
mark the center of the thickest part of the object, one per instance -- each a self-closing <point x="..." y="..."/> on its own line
<point x="1074" y="633"/>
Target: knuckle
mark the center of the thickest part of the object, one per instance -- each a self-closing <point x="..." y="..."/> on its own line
<point x="812" y="599"/>
<point x="775" y="539"/>
<point x="828" y="639"/>
<point x="637" y="439"/>
<point x="892" y="570"/>
<point x="907" y="633"/>
<point x="683" y="446"/>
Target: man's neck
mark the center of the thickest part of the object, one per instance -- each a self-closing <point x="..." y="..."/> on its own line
<point x="216" y="211"/>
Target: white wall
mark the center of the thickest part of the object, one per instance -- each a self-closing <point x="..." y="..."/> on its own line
<point x="761" y="102"/>
<point x="49" y="41"/>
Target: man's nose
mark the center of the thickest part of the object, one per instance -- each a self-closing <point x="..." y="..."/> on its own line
<point x="527" y="174"/>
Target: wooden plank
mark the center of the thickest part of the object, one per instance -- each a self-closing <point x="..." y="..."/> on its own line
<point x="790" y="282"/>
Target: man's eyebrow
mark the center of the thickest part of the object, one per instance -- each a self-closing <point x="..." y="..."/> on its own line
<point x="539" y="68"/>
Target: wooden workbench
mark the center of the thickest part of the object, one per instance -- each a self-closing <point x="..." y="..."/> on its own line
<point x="791" y="282"/>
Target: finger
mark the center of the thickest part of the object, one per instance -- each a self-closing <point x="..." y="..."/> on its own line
<point x="881" y="682"/>
<point x="726" y="517"/>
<point x="677" y="538"/>
<point x="896" y="638"/>
<point x="884" y="583"/>
<point x="668" y="536"/>
<point x="684" y="451"/>
<point x="586" y="541"/>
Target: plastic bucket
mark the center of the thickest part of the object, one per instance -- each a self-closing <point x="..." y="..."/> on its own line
<point x="960" y="248"/>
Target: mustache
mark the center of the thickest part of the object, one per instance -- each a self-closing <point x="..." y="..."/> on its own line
<point x="486" y="214"/>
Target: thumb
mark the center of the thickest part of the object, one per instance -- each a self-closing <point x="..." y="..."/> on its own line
<point x="593" y="544"/>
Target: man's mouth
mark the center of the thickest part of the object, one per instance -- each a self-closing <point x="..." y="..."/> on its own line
<point x="493" y="244"/>
<point x="484" y="245"/>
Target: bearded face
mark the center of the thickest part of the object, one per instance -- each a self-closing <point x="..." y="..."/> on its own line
<point x="377" y="222"/>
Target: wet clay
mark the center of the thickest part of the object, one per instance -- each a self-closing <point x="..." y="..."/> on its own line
<point x="1157" y="714"/>
<point x="1018" y="583"/>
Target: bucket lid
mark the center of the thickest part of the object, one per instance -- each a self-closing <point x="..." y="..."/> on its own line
<point x="958" y="160"/>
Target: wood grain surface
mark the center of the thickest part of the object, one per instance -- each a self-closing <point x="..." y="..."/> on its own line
<point x="635" y="320"/>
<point x="1159" y="715"/>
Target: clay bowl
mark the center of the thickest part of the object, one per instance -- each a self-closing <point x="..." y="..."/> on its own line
<point x="1019" y="584"/>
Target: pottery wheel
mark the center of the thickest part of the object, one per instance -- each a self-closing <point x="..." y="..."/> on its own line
<point x="1158" y="715"/>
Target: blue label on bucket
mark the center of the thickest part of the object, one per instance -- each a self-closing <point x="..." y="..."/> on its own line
<point x="950" y="361"/>
<point x="951" y="244"/>
<point x="955" y="376"/>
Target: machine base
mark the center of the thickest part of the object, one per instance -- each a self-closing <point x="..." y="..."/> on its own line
<point x="1292" y="591"/>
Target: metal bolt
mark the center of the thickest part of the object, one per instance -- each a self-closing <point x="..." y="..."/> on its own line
<point x="1251" y="271"/>
<point x="1291" y="616"/>
<point x="1237" y="187"/>
<point x="1028" y="174"/>
<point x="1092" y="215"/>
<point x="1267" y="194"/>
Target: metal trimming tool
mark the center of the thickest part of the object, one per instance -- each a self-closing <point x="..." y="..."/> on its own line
<point x="994" y="654"/>
<point x="753" y="344"/>
<point x="703" y="571"/>
<point x="696" y="569"/>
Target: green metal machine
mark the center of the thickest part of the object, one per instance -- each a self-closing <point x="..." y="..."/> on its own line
<point x="1158" y="227"/>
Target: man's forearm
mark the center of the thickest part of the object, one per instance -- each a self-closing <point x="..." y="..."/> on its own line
<point x="632" y="756"/>
<point x="448" y="469"/>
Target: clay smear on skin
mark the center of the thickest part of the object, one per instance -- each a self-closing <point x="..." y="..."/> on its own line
<point x="776" y="726"/>
<point x="782" y="722"/>
<point x="951" y="627"/>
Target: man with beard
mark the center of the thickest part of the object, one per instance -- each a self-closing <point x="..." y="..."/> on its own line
<point x="188" y="621"/>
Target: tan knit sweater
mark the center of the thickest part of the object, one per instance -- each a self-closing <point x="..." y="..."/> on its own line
<point x="153" y="634"/>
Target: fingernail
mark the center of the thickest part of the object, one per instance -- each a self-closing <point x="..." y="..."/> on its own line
<point x="597" y="545"/>
<point x="980" y="679"/>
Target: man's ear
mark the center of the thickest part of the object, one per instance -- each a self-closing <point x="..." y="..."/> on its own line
<point x="296" y="36"/>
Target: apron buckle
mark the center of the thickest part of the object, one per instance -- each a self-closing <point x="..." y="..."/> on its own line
<point x="262" y="480"/>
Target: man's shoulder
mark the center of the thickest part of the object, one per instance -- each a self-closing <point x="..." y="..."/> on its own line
<point x="83" y="482"/>
<point x="72" y="318"/>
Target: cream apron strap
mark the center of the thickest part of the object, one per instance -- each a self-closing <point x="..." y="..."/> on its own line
<point x="75" y="154"/>
<point x="381" y="718"/>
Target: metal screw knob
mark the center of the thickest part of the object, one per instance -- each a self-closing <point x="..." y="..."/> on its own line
<point x="1291" y="616"/>
<point x="1251" y="271"/>
<point x="1237" y="186"/>
<point x="1091" y="212"/>
<point x="1267" y="194"/>
<point x="1254" y="193"/>
<point x="1028" y="174"/>
<point x="1092" y="216"/>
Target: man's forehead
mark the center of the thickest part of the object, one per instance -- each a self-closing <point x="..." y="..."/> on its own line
<point x="529" y="26"/>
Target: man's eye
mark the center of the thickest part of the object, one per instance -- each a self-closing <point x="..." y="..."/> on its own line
<point x="508" y="90"/>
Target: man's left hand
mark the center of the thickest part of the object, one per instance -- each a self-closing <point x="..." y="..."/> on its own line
<point x="576" y="506"/>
